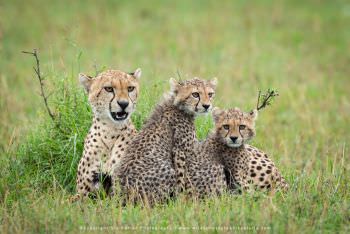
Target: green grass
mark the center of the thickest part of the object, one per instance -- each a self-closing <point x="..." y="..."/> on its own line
<point x="300" y="48"/>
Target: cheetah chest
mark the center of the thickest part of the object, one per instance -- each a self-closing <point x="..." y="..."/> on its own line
<point x="117" y="152"/>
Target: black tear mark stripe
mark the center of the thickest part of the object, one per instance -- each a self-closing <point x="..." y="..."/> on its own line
<point x="110" y="102"/>
<point x="199" y="99"/>
<point x="99" y="92"/>
<point x="227" y="133"/>
<point x="133" y="102"/>
<point x="240" y="133"/>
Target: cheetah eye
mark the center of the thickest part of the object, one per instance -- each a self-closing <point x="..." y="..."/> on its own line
<point x="210" y="94"/>
<point x="226" y="127"/>
<point x="131" y="88"/>
<point x="242" y="127"/>
<point x="109" y="89"/>
<point x="195" y="95"/>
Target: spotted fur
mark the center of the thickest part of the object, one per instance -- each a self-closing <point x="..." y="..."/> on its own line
<point x="246" y="167"/>
<point x="205" y="174"/>
<point x="154" y="166"/>
<point x="112" y="95"/>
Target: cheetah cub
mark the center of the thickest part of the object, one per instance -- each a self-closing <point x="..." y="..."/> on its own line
<point x="112" y="95"/>
<point x="245" y="166"/>
<point x="156" y="156"/>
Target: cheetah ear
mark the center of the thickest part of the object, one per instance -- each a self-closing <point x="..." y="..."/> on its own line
<point x="216" y="113"/>
<point x="254" y="114"/>
<point x="214" y="82"/>
<point x="173" y="85"/>
<point x="85" y="81"/>
<point x="137" y="73"/>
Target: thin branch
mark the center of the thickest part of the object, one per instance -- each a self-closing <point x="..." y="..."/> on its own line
<point x="257" y="104"/>
<point x="41" y="81"/>
<point x="266" y="98"/>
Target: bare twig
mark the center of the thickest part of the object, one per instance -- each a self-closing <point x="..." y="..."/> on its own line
<point x="41" y="81"/>
<point x="266" y="98"/>
<point x="257" y="104"/>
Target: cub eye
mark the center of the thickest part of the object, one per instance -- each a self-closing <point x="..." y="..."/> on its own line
<point x="226" y="127"/>
<point x="195" y="95"/>
<point x="131" y="88"/>
<point x="109" y="89"/>
<point x="242" y="127"/>
<point x="210" y="94"/>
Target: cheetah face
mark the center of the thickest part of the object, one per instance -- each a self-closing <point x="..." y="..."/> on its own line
<point x="112" y="94"/>
<point x="193" y="96"/>
<point x="234" y="127"/>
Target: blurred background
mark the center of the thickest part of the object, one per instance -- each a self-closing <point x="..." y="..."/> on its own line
<point x="301" y="48"/>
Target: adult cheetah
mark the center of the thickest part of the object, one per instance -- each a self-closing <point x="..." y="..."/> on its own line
<point x="112" y="95"/>
<point x="155" y="158"/>
<point x="246" y="167"/>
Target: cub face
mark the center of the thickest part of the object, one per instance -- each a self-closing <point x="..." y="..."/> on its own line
<point x="193" y="96"/>
<point x="234" y="127"/>
<point x="112" y="94"/>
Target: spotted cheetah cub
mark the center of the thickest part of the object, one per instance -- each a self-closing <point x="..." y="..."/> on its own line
<point x="156" y="156"/>
<point x="245" y="166"/>
<point x="112" y="95"/>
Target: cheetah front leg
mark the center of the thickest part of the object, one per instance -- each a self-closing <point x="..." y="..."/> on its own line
<point x="87" y="179"/>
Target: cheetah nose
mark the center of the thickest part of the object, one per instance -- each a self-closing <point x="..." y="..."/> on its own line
<point x="123" y="104"/>
<point x="206" y="107"/>
<point x="234" y="139"/>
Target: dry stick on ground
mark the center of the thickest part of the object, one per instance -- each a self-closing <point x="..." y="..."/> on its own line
<point x="41" y="81"/>
<point x="266" y="98"/>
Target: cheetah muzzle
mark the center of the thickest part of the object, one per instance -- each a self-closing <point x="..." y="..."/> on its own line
<point x="119" y="116"/>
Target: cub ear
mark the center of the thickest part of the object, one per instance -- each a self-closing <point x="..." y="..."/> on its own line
<point x="174" y="84"/>
<point x="216" y="113"/>
<point x="214" y="82"/>
<point x="137" y="73"/>
<point x="254" y="114"/>
<point x="85" y="81"/>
